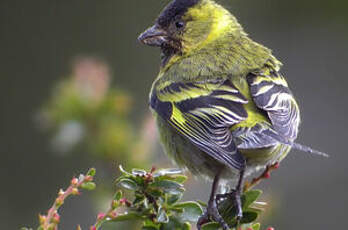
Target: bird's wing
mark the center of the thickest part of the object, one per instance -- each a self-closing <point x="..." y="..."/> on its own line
<point x="271" y="94"/>
<point x="203" y="112"/>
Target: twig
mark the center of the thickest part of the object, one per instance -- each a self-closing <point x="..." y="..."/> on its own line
<point x="52" y="219"/>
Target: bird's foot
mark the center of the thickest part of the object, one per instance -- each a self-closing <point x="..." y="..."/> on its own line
<point x="235" y="196"/>
<point x="212" y="214"/>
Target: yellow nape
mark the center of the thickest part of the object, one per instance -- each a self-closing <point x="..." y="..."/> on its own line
<point x="222" y="20"/>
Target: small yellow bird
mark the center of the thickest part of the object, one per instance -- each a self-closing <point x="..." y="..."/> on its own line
<point x="222" y="107"/>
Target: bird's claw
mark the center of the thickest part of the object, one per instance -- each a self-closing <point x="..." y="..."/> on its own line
<point x="212" y="214"/>
<point x="235" y="196"/>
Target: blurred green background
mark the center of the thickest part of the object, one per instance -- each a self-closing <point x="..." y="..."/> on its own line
<point x="42" y="42"/>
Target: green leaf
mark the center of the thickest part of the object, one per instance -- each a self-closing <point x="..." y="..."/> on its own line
<point x="250" y="197"/>
<point x="256" y="226"/>
<point x="192" y="211"/>
<point x="167" y="186"/>
<point x="175" y="224"/>
<point x="149" y="228"/>
<point x="138" y="199"/>
<point x="162" y="216"/>
<point x="228" y="209"/>
<point x="202" y="204"/>
<point x="138" y="172"/>
<point x="249" y="217"/>
<point x="179" y="178"/>
<point x="128" y="216"/>
<point x="172" y="199"/>
<point x="149" y="223"/>
<point x="128" y="184"/>
<point x="155" y="192"/>
<point x="124" y="172"/>
<point x="88" y="185"/>
<point x="211" y="226"/>
<point x="176" y="178"/>
<point x="118" y="195"/>
<point x="91" y="172"/>
<point x="166" y="172"/>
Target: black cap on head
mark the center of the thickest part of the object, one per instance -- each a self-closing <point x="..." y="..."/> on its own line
<point x="174" y="9"/>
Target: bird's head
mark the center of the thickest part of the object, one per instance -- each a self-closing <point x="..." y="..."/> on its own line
<point x="186" y="26"/>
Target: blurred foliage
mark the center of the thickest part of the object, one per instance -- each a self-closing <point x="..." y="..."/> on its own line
<point x="155" y="201"/>
<point x="85" y="110"/>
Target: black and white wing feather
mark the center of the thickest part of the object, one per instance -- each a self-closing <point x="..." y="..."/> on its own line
<point x="204" y="112"/>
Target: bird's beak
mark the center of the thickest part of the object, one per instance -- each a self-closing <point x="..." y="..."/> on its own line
<point x="154" y="36"/>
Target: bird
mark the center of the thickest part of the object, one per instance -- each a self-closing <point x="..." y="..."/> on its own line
<point x="222" y="106"/>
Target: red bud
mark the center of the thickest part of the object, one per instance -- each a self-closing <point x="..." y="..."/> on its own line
<point x="101" y="216"/>
<point x="56" y="218"/>
<point x="113" y="214"/>
<point x="74" y="181"/>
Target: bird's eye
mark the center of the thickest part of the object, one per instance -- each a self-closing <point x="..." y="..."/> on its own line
<point x="179" y="24"/>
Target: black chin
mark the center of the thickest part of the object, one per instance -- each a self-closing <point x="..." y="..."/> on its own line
<point x="167" y="53"/>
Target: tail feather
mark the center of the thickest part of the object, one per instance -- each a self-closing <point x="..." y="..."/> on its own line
<point x="294" y="145"/>
<point x="307" y="149"/>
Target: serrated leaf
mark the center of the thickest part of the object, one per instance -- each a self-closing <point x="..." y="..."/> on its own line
<point x="88" y="185"/>
<point x="128" y="184"/>
<point x="168" y="186"/>
<point x="192" y="211"/>
<point x="165" y="172"/>
<point x="250" y="197"/>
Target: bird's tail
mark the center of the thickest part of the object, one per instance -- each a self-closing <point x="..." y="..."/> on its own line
<point x="307" y="149"/>
<point x="296" y="146"/>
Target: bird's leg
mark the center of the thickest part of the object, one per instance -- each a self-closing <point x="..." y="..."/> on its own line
<point x="235" y="195"/>
<point x="212" y="212"/>
<point x="265" y="175"/>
